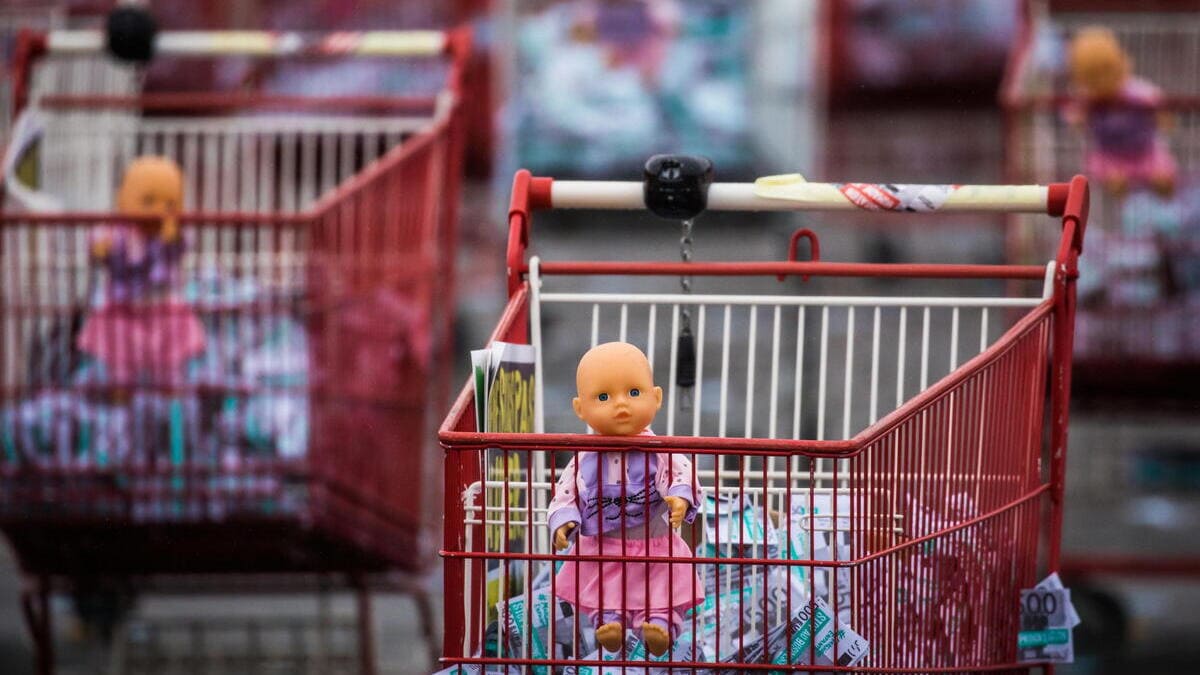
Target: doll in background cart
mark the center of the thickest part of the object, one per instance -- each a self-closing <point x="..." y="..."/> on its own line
<point x="633" y="33"/>
<point x="141" y="327"/>
<point x="626" y="503"/>
<point x="1122" y="115"/>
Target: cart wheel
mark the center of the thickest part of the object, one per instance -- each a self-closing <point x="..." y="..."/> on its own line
<point x="101" y="606"/>
<point x="35" y="604"/>
<point x="425" y="614"/>
<point x="1105" y="624"/>
<point x="366" y="626"/>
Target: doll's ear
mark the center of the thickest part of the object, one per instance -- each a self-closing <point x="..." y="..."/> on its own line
<point x="578" y="406"/>
<point x="124" y="196"/>
<point x="657" y="398"/>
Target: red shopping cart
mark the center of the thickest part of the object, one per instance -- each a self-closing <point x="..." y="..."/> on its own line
<point x="1137" y="335"/>
<point x="319" y="236"/>
<point x="876" y="461"/>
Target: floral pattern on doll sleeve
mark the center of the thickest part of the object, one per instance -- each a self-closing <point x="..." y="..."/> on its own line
<point x="676" y="478"/>
<point x="564" y="506"/>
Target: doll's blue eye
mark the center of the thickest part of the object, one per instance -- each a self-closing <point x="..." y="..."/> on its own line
<point x="635" y="392"/>
<point x="603" y="397"/>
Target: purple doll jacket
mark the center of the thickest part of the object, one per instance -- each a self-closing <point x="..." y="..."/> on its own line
<point x="591" y="492"/>
<point x="138" y="267"/>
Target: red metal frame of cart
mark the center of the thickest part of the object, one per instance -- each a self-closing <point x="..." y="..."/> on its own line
<point x="954" y="492"/>
<point x="345" y="225"/>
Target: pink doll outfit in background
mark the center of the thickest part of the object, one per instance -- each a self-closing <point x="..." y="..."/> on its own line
<point x="140" y="327"/>
<point x="605" y="505"/>
<point x="1125" y="140"/>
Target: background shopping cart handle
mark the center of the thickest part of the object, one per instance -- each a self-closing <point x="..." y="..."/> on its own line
<point x="267" y="43"/>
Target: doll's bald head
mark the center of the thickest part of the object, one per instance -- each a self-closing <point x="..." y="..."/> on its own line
<point x="616" y="392"/>
<point x="152" y="186"/>
<point x="1099" y="66"/>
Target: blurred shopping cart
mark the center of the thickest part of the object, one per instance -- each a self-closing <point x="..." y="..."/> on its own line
<point x="874" y="460"/>
<point x="15" y="17"/>
<point x="1138" y="336"/>
<point x="1137" y="346"/>
<point x="320" y="236"/>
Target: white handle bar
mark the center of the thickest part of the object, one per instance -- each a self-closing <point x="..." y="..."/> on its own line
<point x="264" y="43"/>
<point x="802" y="196"/>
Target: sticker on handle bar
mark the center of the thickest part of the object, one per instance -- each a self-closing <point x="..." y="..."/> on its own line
<point x="866" y="196"/>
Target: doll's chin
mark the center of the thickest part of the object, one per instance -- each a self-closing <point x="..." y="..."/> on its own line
<point x="622" y="428"/>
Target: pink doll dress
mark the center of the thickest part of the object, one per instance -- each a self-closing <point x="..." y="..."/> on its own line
<point x="1124" y="134"/>
<point x="593" y="495"/>
<point x="139" y="326"/>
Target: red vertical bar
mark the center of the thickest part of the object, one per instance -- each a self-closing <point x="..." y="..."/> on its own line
<point x="920" y="528"/>
<point x="453" y="539"/>
<point x="766" y="567"/>
<point x="696" y="495"/>
<point x="528" y="562"/>
<point x="741" y="580"/>
<point x="718" y="462"/>
<point x="650" y="482"/>
<point x="813" y="570"/>
<point x="835" y="540"/>
<point x="553" y="576"/>
<point x="579" y="571"/>
<point x="1063" y="344"/>
<point x="789" y="554"/>
<point x="505" y="564"/>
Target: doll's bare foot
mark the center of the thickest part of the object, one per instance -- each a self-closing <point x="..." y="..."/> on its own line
<point x="1116" y="185"/>
<point x="1163" y="184"/>
<point x="657" y="639"/>
<point x="611" y="635"/>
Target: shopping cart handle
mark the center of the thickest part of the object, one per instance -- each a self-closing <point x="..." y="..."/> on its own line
<point x="267" y="43"/>
<point x="780" y="194"/>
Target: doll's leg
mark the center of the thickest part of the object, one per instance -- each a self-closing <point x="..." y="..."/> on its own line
<point x="1163" y="169"/>
<point x="659" y="629"/>
<point x="1116" y="182"/>
<point x="610" y="629"/>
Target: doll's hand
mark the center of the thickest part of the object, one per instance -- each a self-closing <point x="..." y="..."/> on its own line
<point x="562" y="534"/>
<point x="170" y="230"/>
<point x="100" y="247"/>
<point x="679" y="507"/>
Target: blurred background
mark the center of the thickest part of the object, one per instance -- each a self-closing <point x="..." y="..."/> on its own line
<point x="919" y="91"/>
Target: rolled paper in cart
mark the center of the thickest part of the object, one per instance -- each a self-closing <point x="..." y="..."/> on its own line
<point x="517" y="615"/>
<point x="813" y="536"/>
<point x="684" y="649"/>
<point x="809" y="633"/>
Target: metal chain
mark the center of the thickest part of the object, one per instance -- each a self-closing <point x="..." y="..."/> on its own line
<point x="685" y="314"/>
<point x="685" y="281"/>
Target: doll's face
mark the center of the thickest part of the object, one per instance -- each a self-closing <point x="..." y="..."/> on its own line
<point x="617" y="396"/>
<point x="1099" y="66"/>
<point x="152" y="186"/>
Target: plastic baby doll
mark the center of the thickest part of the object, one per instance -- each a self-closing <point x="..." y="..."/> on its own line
<point x="1122" y="116"/>
<point x="634" y="512"/>
<point x="139" y="325"/>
